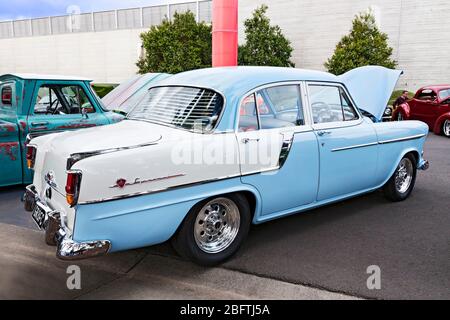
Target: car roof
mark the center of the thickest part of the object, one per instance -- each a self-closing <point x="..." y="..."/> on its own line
<point x="240" y="80"/>
<point x="436" y="87"/>
<point x="33" y="76"/>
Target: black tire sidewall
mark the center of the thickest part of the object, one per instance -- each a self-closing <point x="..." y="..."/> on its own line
<point x="185" y="244"/>
<point x="391" y="191"/>
<point x="443" y="129"/>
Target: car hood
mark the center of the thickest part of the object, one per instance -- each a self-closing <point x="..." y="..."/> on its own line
<point x="371" y="87"/>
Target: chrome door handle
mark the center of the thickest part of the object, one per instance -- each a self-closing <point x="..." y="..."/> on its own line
<point x="323" y="133"/>
<point x="248" y="140"/>
<point x="39" y="124"/>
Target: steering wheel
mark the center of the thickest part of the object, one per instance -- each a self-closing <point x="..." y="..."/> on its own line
<point x="49" y="108"/>
<point x="323" y="109"/>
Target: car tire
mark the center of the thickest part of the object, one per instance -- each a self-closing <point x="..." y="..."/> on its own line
<point x="401" y="184"/>
<point x="446" y="128"/>
<point x="213" y="230"/>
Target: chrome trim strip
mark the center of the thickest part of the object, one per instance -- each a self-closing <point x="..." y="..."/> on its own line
<point x="132" y="195"/>
<point x="379" y="143"/>
<point x="76" y="157"/>
<point x="285" y="150"/>
<point x="403" y="139"/>
<point x="355" y="147"/>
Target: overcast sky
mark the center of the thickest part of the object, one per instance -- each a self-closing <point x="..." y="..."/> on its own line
<point x="19" y="9"/>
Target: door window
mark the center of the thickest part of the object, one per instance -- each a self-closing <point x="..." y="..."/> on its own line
<point x="331" y="104"/>
<point x="248" y="117"/>
<point x="286" y="106"/>
<point x="444" y="94"/>
<point x="275" y="107"/>
<point x="62" y="100"/>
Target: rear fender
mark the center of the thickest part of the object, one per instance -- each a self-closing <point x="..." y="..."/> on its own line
<point x="439" y="122"/>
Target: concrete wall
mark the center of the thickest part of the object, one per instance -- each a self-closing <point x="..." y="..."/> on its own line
<point x="106" y="57"/>
<point x="419" y="32"/>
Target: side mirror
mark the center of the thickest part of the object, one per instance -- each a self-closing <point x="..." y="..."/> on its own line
<point x="7" y="96"/>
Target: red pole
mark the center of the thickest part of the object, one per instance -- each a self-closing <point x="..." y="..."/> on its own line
<point x="225" y="33"/>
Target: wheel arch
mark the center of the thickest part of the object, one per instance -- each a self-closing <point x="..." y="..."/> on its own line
<point x="250" y="193"/>
<point x="405" y="152"/>
<point x="440" y="122"/>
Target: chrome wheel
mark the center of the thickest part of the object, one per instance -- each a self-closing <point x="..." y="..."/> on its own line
<point x="446" y="128"/>
<point x="217" y="225"/>
<point x="404" y="175"/>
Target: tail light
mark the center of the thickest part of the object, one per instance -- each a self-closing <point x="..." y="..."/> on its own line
<point x="31" y="156"/>
<point x="73" y="187"/>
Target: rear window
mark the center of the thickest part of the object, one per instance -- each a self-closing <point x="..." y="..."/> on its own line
<point x="188" y="108"/>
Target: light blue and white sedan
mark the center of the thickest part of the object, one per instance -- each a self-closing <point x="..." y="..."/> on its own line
<point x="207" y="153"/>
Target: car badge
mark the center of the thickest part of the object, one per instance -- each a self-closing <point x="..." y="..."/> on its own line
<point x="50" y="179"/>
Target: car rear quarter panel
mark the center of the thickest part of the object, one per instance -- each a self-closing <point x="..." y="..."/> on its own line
<point x="149" y="219"/>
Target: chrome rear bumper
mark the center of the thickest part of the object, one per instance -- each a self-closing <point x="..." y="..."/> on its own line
<point x="56" y="235"/>
<point x="424" y="165"/>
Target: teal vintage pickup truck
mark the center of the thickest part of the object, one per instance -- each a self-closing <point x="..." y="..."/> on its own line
<point x="35" y="105"/>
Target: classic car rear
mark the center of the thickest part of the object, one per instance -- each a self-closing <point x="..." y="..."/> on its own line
<point x="431" y="105"/>
<point x="208" y="152"/>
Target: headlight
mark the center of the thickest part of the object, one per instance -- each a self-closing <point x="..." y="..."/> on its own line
<point x="388" y="112"/>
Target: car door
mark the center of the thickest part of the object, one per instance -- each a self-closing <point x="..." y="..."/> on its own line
<point x="347" y="142"/>
<point x="62" y="106"/>
<point x="278" y="149"/>
<point x="425" y="106"/>
<point x="10" y="151"/>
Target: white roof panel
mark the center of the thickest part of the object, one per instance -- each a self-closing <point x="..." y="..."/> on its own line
<point x="32" y="76"/>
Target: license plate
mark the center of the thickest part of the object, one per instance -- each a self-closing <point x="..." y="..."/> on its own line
<point x="38" y="216"/>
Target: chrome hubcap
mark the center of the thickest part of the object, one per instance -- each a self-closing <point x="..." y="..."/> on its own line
<point x="447" y="128"/>
<point x="404" y="175"/>
<point x="217" y="225"/>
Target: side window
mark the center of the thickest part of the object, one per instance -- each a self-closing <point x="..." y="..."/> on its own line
<point x="286" y="103"/>
<point x="331" y="104"/>
<point x="349" y="111"/>
<point x="62" y="100"/>
<point x="77" y="99"/>
<point x="48" y="102"/>
<point x="444" y="94"/>
<point x="248" y="120"/>
<point x="326" y="104"/>
<point x="427" y="95"/>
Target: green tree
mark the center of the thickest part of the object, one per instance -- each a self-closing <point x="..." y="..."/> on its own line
<point x="365" y="45"/>
<point x="176" y="46"/>
<point x="265" y="44"/>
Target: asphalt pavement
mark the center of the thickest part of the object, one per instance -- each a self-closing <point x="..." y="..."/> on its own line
<point x="310" y="255"/>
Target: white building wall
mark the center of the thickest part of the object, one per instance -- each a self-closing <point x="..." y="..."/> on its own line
<point x="106" y="57"/>
<point x="418" y="31"/>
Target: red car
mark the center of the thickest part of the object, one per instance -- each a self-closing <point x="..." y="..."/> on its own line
<point x="431" y="105"/>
